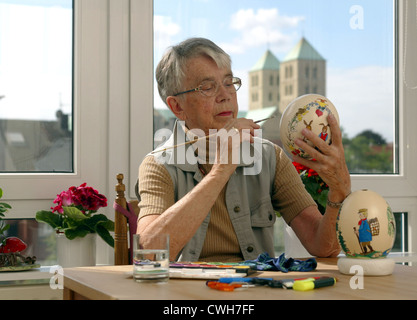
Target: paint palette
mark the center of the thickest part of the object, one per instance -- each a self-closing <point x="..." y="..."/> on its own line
<point x="208" y="270"/>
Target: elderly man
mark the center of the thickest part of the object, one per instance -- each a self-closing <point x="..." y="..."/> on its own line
<point x="213" y="210"/>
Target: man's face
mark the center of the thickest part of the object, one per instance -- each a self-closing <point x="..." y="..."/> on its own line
<point x="202" y="112"/>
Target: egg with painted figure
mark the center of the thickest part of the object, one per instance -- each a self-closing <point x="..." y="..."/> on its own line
<point x="308" y="111"/>
<point x="365" y="226"/>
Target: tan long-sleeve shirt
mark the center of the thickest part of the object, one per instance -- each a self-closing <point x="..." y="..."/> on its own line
<point x="289" y="197"/>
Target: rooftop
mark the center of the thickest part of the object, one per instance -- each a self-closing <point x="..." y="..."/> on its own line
<point x="303" y="51"/>
<point x="267" y="62"/>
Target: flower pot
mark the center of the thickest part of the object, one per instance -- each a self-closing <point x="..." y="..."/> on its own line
<point x="78" y="252"/>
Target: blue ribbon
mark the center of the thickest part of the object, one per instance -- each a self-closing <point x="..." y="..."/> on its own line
<point x="265" y="263"/>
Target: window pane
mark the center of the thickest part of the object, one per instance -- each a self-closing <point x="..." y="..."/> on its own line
<point x="401" y="237"/>
<point x="36" y="41"/>
<point x="39" y="237"/>
<point x="341" y="49"/>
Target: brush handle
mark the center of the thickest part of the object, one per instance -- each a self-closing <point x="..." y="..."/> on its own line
<point x="205" y="137"/>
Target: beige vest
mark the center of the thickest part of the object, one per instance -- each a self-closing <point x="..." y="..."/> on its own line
<point x="248" y="195"/>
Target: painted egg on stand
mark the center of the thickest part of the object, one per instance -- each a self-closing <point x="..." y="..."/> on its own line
<point x="309" y="111"/>
<point x="365" y="229"/>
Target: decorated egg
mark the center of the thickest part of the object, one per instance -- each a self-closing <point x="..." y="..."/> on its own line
<point x="309" y="111"/>
<point x="365" y="226"/>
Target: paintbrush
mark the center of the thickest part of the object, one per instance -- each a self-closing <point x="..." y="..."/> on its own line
<point x="205" y="137"/>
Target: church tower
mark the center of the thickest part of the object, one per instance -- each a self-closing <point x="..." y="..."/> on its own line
<point x="302" y="71"/>
<point x="264" y="82"/>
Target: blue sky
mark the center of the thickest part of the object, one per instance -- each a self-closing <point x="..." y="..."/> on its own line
<point x="359" y="53"/>
<point x="325" y="23"/>
<point x="359" y="61"/>
<point x="35" y="58"/>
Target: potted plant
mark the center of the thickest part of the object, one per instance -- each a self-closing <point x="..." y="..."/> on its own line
<point x="76" y="221"/>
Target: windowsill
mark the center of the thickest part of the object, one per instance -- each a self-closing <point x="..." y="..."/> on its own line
<point x="37" y="276"/>
<point x="28" y="285"/>
<point x="400" y="257"/>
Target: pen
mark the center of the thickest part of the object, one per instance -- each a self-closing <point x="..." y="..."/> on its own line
<point x="306" y="285"/>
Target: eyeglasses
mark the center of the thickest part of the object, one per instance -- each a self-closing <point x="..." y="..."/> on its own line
<point x="210" y="88"/>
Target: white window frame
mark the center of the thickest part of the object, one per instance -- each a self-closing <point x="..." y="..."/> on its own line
<point x="28" y="193"/>
<point x="112" y="97"/>
<point x="400" y="190"/>
<point x="113" y="100"/>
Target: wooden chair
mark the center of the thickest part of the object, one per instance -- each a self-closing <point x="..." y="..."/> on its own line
<point x="125" y="222"/>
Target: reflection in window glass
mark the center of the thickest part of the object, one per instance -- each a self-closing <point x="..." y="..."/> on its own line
<point x="401" y="237"/>
<point x="36" y="86"/>
<point x="341" y="49"/>
<point x="40" y="239"/>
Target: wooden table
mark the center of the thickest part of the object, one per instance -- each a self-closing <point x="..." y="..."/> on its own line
<point x="115" y="282"/>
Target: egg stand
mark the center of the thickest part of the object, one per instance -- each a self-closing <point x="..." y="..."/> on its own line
<point x="371" y="267"/>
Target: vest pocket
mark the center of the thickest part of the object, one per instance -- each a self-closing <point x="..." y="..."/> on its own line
<point x="263" y="214"/>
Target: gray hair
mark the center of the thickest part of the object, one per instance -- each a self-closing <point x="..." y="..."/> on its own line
<point x="170" y="70"/>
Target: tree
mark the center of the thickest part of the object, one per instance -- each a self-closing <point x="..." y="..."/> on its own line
<point x="368" y="152"/>
<point x="372" y="137"/>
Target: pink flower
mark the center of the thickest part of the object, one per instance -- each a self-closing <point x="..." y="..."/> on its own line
<point x="62" y="199"/>
<point x="85" y="198"/>
<point x="66" y="198"/>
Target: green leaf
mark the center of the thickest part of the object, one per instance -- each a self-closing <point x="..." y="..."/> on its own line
<point x="103" y="221"/>
<point x="5" y="205"/>
<point x="74" y="213"/>
<point x="71" y="234"/>
<point x="109" y="225"/>
<point x="105" y="235"/>
<point x="4" y="227"/>
<point x="312" y="189"/>
<point x="102" y="225"/>
<point x="75" y="224"/>
<point x="93" y="221"/>
<point x="53" y="219"/>
<point x="322" y="198"/>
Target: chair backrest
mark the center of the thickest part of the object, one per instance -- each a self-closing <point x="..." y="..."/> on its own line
<point x="125" y="218"/>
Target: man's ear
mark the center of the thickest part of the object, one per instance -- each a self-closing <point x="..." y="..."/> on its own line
<point x="175" y="104"/>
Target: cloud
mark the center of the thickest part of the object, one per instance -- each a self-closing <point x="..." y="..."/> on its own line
<point x="164" y="27"/>
<point x="261" y="28"/>
<point x="243" y="93"/>
<point x="364" y="98"/>
<point x="268" y="18"/>
<point x="164" y="31"/>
